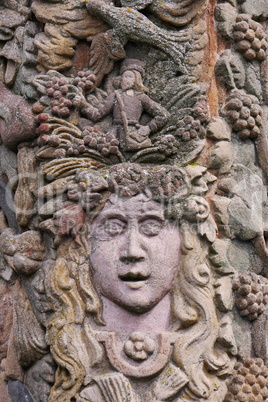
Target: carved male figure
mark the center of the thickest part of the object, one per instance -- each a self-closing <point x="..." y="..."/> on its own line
<point x="127" y="105"/>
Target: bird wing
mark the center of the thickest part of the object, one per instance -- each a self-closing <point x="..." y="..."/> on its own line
<point x="104" y="51"/>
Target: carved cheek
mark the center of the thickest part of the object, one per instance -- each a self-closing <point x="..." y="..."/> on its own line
<point x="166" y="255"/>
<point x="105" y="256"/>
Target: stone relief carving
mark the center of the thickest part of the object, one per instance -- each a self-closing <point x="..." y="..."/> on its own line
<point x="138" y="286"/>
<point x="133" y="201"/>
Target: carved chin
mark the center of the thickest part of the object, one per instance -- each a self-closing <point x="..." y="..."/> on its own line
<point x="136" y="302"/>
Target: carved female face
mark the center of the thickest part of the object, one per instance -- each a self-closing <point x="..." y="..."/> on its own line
<point x="135" y="253"/>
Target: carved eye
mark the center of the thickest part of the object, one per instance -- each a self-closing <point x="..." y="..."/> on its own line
<point x="150" y="227"/>
<point x="114" y="227"/>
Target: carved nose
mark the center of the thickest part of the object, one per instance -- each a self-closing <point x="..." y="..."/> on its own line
<point x="133" y="250"/>
<point x="130" y="260"/>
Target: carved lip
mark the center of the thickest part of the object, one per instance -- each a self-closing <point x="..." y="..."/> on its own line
<point x="136" y="284"/>
<point x="134" y="280"/>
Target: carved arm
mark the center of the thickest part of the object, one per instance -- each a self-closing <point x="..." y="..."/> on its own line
<point x="96" y="114"/>
<point x="160" y="114"/>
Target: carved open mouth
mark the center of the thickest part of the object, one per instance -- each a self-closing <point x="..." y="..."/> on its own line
<point x="134" y="282"/>
<point x="130" y="279"/>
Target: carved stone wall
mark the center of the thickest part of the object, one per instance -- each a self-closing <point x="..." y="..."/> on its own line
<point x="133" y="200"/>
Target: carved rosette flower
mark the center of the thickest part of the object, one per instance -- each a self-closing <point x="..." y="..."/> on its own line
<point x="249" y="382"/>
<point x="251" y="293"/>
<point x="139" y="346"/>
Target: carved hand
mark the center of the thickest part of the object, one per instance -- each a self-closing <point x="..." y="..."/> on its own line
<point x="79" y="101"/>
<point x="144" y="131"/>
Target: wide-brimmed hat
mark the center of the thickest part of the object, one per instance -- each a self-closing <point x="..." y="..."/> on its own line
<point x="133" y="64"/>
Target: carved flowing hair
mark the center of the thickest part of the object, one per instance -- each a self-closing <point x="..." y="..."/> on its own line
<point x="138" y="82"/>
<point x="76" y="303"/>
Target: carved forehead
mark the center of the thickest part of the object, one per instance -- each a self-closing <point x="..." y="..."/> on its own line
<point x="132" y="207"/>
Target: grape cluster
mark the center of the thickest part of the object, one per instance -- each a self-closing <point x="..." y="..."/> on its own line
<point x="94" y="138"/>
<point x="51" y="140"/>
<point x="168" y="145"/>
<point x="43" y="128"/>
<point x="250" y="38"/>
<point x="76" y="148"/>
<point x="201" y="112"/>
<point x="38" y="108"/>
<point x="251" y="292"/>
<point x="245" y="114"/>
<point x="189" y="129"/>
<point x="85" y="80"/>
<point x="249" y="383"/>
<point x="57" y="89"/>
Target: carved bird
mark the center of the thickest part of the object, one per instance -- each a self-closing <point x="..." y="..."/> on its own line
<point x="130" y="24"/>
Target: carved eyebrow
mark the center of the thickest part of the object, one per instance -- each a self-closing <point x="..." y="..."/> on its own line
<point x="151" y="215"/>
<point x="116" y="215"/>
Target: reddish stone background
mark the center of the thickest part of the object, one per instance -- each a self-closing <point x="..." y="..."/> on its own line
<point x="5" y="329"/>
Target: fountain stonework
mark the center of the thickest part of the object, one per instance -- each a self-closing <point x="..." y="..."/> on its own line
<point x="133" y="201"/>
